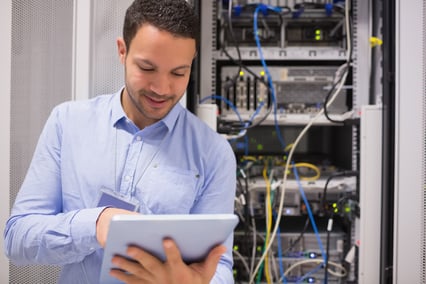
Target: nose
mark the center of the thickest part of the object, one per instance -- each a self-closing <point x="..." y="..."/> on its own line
<point x="161" y="84"/>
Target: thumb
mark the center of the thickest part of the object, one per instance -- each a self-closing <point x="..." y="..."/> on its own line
<point x="214" y="256"/>
<point x="207" y="268"/>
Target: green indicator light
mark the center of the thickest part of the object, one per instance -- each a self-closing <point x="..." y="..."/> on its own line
<point x="347" y="209"/>
<point x="235" y="247"/>
<point x="318" y="34"/>
<point x="259" y="147"/>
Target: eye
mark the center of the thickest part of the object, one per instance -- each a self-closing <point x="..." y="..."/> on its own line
<point x="146" y="69"/>
<point x="178" y="74"/>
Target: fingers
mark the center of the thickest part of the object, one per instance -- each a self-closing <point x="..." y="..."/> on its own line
<point x="144" y="259"/>
<point x="124" y="266"/>
<point x="172" y="252"/>
<point x="216" y="253"/>
<point x="207" y="268"/>
<point x="212" y="260"/>
<point x="141" y="266"/>
<point x="128" y="265"/>
<point x="145" y="268"/>
<point x="125" y="276"/>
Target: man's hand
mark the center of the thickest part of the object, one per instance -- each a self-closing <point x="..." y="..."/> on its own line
<point x="102" y="224"/>
<point x="149" y="269"/>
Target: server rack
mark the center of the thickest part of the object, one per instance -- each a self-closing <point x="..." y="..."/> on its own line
<point x="269" y="67"/>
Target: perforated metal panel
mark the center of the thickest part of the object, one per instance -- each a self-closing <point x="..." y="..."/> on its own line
<point x="42" y="66"/>
<point x="107" y="71"/>
<point x="41" y="78"/>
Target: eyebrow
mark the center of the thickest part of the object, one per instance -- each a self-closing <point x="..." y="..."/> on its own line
<point x="146" y="61"/>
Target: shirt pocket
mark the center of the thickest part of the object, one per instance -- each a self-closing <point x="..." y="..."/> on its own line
<point x="166" y="190"/>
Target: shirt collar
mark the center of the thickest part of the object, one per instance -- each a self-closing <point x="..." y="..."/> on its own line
<point x="117" y="112"/>
<point x="170" y="119"/>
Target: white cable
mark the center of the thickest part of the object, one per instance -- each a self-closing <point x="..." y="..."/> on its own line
<point x="287" y="167"/>
<point x="242" y="133"/>
<point x="348" y="36"/>
<point x="243" y="260"/>
<point x="319" y="261"/>
<point x="302" y="133"/>
<point x="253" y="253"/>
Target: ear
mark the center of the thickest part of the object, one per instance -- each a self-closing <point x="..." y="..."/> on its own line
<point x="122" y="51"/>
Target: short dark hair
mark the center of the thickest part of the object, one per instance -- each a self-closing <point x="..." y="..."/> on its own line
<point x="177" y="17"/>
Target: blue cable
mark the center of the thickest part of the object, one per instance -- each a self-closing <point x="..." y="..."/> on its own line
<point x="311" y="217"/>
<point x="246" y="145"/>
<point x="228" y="102"/>
<point x="234" y="108"/>
<point x="257" y="111"/>
<point x="309" y="273"/>
<point x="263" y="8"/>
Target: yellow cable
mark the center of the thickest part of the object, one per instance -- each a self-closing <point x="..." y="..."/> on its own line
<point x="268" y="221"/>
<point x="311" y="166"/>
<point x="375" y="41"/>
<point x="288" y="147"/>
<point x="249" y="158"/>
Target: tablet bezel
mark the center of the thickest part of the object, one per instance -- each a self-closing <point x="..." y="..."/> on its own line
<point x="195" y="235"/>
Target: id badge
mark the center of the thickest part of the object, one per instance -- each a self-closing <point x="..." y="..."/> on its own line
<point x="113" y="199"/>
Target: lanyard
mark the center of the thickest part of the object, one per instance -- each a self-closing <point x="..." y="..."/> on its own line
<point x="133" y="184"/>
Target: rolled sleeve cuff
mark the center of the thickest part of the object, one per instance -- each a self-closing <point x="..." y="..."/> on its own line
<point x="223" y="275"/>
<point x="83" y="229"/>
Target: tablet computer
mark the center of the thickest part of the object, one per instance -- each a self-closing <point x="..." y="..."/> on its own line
<point x="194" y="234"/>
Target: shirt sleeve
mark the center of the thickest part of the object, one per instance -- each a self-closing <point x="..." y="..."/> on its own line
<point x="222" y="276"/>
<point x="218" y="197"/>
<point x="52" y="239"/>
<point x="38" y="231"/>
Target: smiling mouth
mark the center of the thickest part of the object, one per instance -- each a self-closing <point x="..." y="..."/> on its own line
<point x="155" y="102"/>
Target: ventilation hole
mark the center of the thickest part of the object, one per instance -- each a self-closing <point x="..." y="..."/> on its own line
<point x="107" y="71"/>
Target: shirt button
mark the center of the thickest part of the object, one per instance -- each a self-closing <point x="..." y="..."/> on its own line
<point x="127" y="178"/>
<point x="138" y="138"/>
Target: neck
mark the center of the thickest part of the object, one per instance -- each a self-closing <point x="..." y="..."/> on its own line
<point x="132" y="109"/>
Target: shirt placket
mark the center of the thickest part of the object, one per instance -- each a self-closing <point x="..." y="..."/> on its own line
<point x="130" y="165"/>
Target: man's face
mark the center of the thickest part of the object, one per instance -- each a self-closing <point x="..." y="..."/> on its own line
<point x="157" y="69"/>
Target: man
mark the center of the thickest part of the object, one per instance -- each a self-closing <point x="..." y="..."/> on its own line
<point x="138" y="147"/>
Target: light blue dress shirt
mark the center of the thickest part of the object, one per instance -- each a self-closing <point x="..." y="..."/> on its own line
<point x="177" y="165"/>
